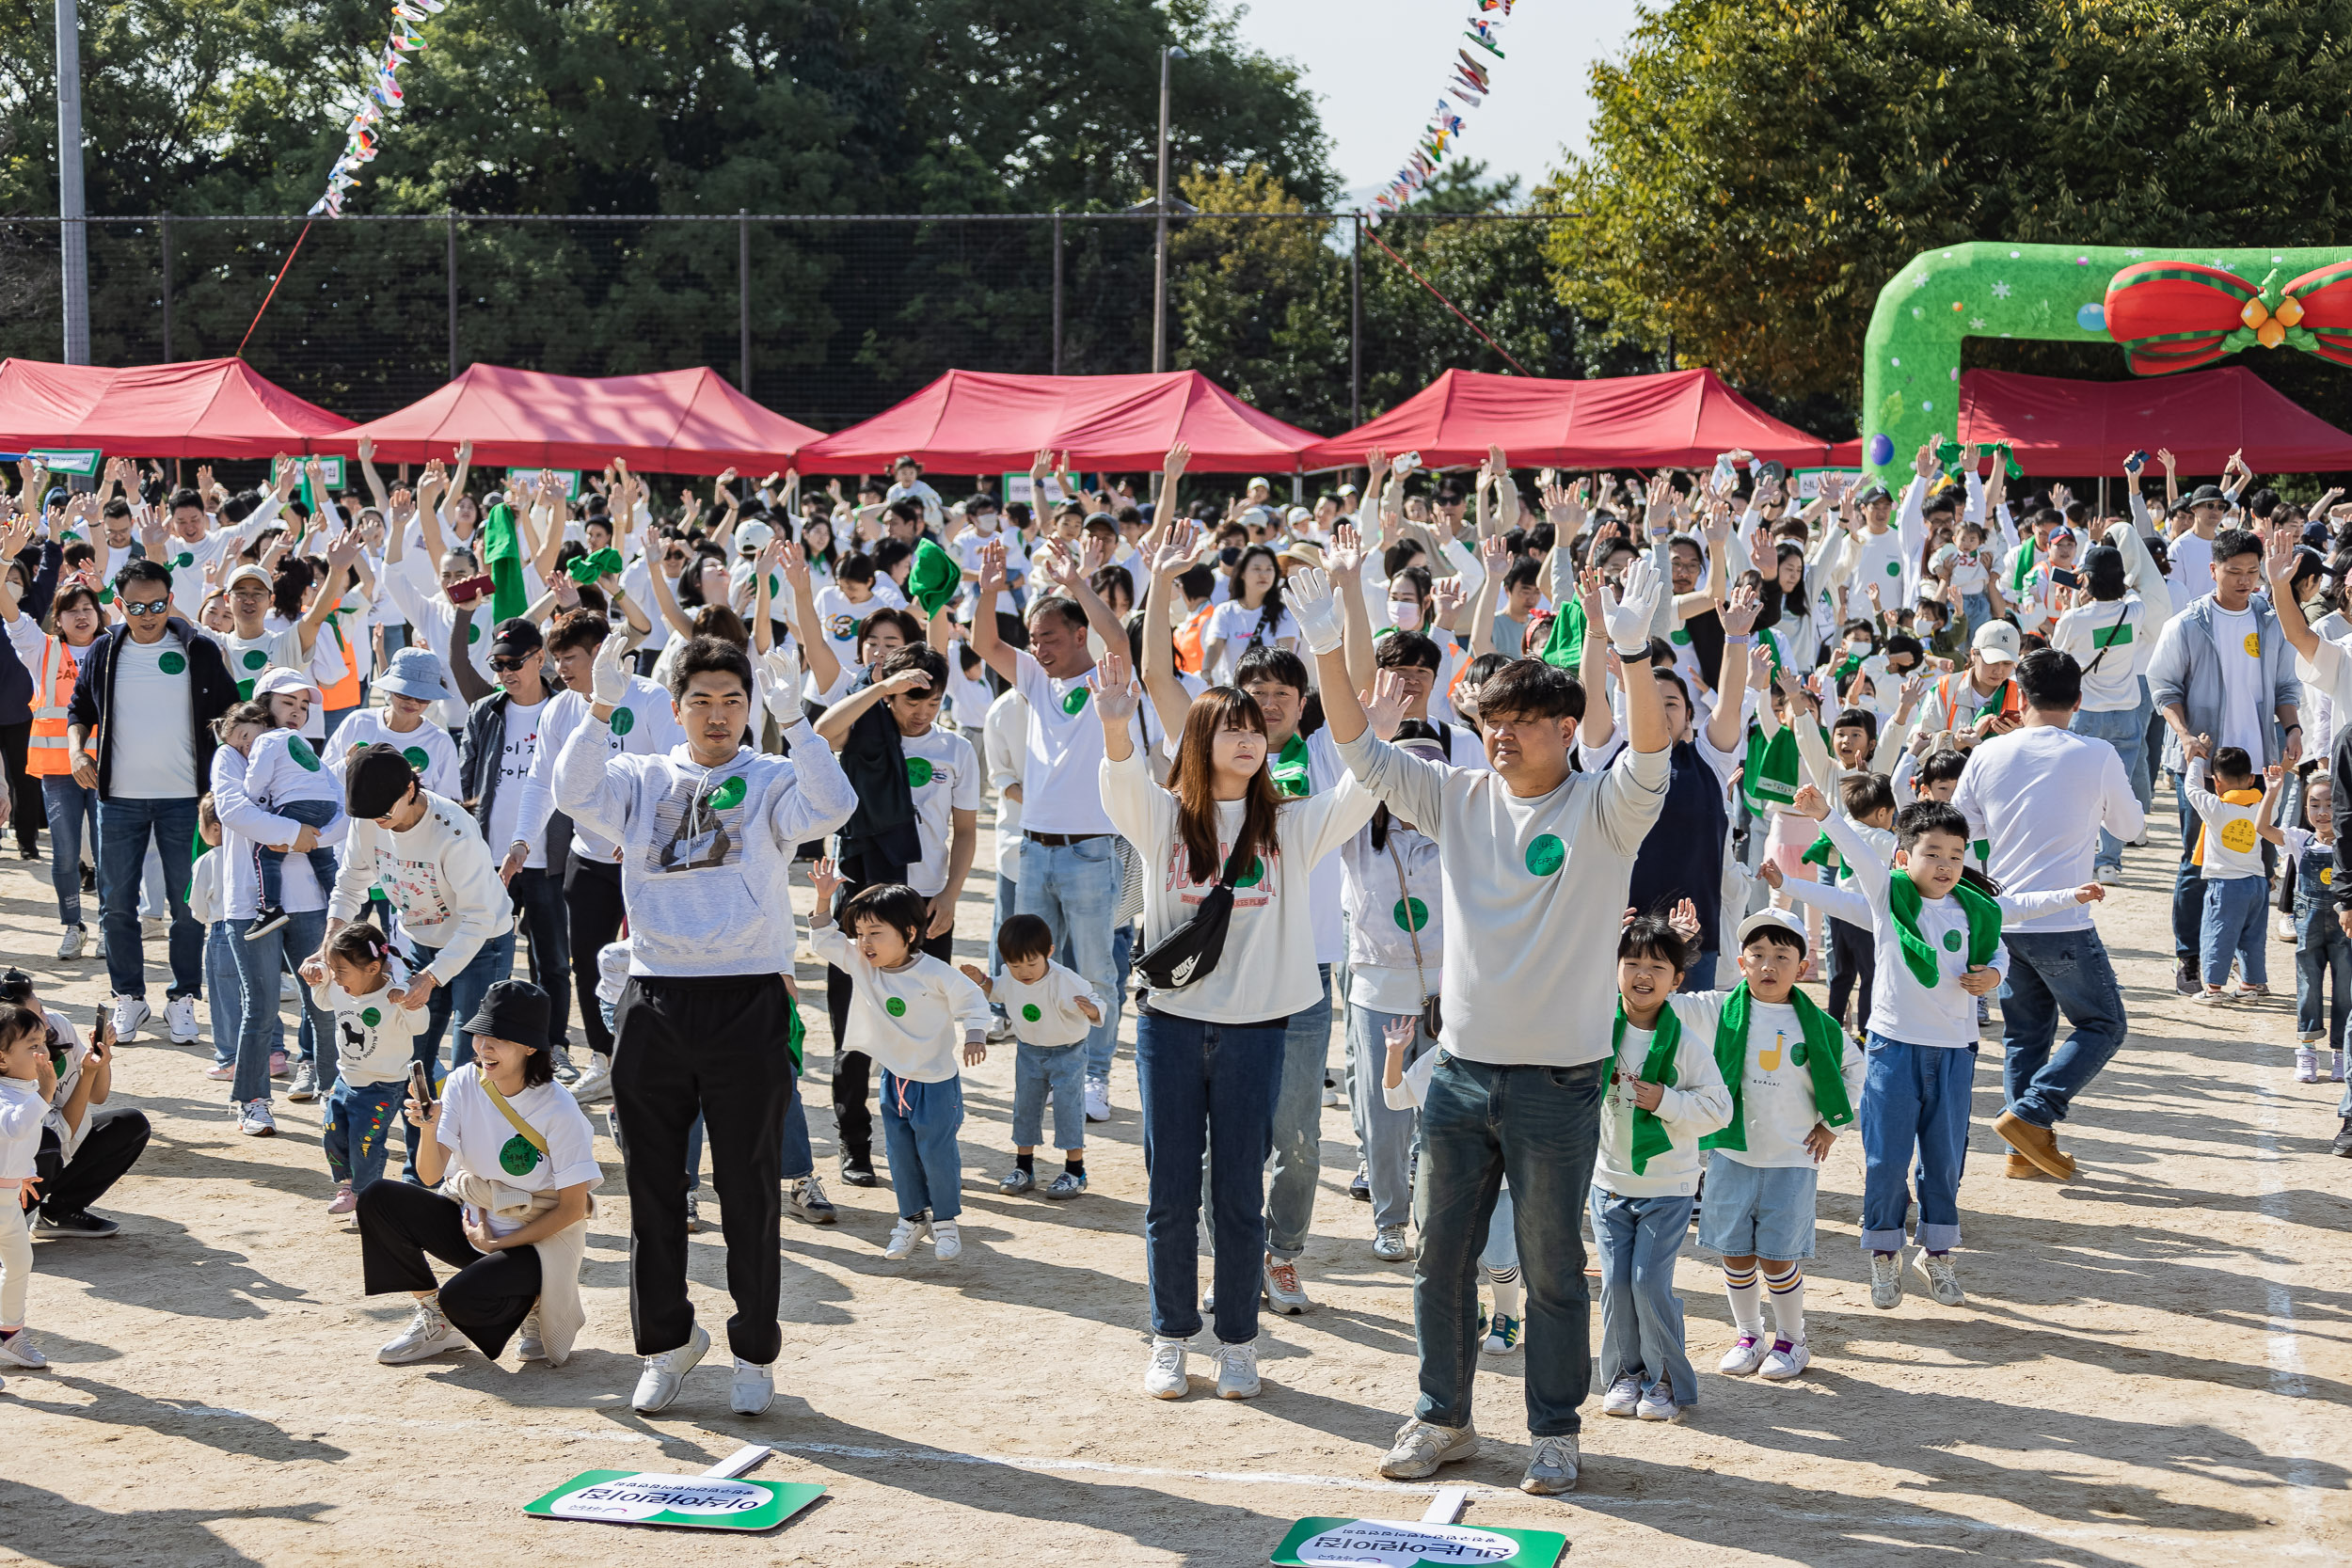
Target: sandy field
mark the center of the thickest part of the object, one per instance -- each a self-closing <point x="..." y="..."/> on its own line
<point x="2151" y="1367"/>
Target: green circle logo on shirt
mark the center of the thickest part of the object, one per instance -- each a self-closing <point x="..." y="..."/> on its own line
<point x="1547" y="855"/>
<point x="172" y="663"/>
<point x="1951" y="942"/>
<point x="624" y="720"/>
<point x="1031" y="1011"/>
<point x="1411" y="914"/>
<point x="416" y="757"/>
<point x="371" y="1017"/>
<point x="1680" y="638"/>
<point x="517" y="1156"/>
<point x="1255" y="875"/>
<point x="254" y="658"/>
<point x="299" y="750"/>
<point x="184" y="558"/>
<point x="918" y="772"/>
<point x="1076" y="703"/>
<point x="474" y="634"/>
<point x="896" y="1008"/>
<point x="729" y="795"/>
<point x="1894" y="568"/>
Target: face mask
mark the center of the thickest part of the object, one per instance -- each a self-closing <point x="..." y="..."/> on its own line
<point x="1857" y="646"/>
<point x="1405" y="614"/>
<point x="1228" y="555"/>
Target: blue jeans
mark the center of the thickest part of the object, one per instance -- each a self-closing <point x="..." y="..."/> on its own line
<point x="1387" y="1135"/>
<point x="1074" y="888"/>
<point x="2233" y="927"/>
<point x="1056" y="1073"/>
<point x="259" y="963"/>
<point x="2050" y="972"/>
<point x="1203" y="1084"/>
<point x="919" y="1126"/>
<point x="2323" y="970"/>
<point x="357" y="1131"/>
<point x="2127" y="732"/>
<point x="1975" y="609"/>
<point x="1539" y="1127"/>
<point x="1914" y="1097"/>
<point x="1640" y="1317"/>
<point x="461" y="996"/>
<point x="1290" y="1202"/>
<point x="125" y="828"/>
<point x="1008" y="905"/>
<point x="70" y="809"/>
<point x="225" y="991"/>
<point x="2145" y="759"/>
<point x="2189" y="883"/>
<point x="271" y="863"/>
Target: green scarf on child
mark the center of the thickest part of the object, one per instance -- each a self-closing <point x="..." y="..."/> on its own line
<point x="2022" y="570"/>
<point x="1649" y="1133"/>
<point x="1769" y="776"/>
<point x="1824" y="1050"/>
<point x="1984" y="927"/>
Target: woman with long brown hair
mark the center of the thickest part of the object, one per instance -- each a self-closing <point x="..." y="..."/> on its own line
<point x="1209" y="1051"/>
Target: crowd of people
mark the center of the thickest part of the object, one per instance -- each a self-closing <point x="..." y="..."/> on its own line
<point x="1554" y="800"/>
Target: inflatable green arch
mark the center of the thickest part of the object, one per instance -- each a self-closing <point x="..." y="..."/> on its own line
<point x="2168" y="308"/>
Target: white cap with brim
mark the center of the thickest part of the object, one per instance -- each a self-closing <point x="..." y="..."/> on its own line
<point x="283" y="679"/>
<point x="1258" y="484"/>
<point x="1773" y="920"/>
<point x="242" y="573"/>
<point x="1997" y="641"/>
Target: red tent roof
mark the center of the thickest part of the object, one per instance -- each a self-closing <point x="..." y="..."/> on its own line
<point x="2063" y="427"/>
<point x="980" y="422"/>
<point x="673" y="422"/>
<point x="1681" y="418"/>
<point x="196" y="408"/>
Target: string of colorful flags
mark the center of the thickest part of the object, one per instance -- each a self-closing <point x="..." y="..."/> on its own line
<point x="1468" y="86"/>
<point x="383" y="99"/>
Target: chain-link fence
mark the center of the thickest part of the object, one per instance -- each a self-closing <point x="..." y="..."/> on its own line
<point x="837" y="317"/>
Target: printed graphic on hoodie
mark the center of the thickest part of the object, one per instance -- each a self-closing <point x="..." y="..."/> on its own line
<point x="699" y="824"/>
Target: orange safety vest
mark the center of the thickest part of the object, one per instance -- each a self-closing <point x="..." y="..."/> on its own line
<point x="46" y="755"/>
<point x="1188" y="638"/>
<point x="345" y="692"/>
<point x="2007" y="698"/>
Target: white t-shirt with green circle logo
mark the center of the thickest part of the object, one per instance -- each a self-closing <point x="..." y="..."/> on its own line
<point x="943" y="773"/>
<point x="375" y="1034"/>
<point x="1060" y="786"/>
<point x="1045" y="1015"/>
<point x="153" y="725"/>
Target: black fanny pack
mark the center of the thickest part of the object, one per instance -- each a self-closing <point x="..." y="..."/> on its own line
<point x="1190" y="952"/>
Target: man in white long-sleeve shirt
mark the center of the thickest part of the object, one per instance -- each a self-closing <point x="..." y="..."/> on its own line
<point x="706" y="832"/>
<point x="1536" y="861"/>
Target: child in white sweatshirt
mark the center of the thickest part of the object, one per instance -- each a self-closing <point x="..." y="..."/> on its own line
<point x="27" y="1079"/>
<point x="375" y="1039"/>
<point x="906" y="1012"/>
<point x="1666" y="1094"/>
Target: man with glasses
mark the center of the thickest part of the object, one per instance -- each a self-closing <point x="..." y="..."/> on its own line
<point x="161" y="682"/>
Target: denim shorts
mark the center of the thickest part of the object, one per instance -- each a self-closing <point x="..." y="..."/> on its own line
<point x="1758" y="1210"/>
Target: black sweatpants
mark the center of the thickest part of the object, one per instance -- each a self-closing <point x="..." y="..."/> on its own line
<point x="1856" y="965"/>
<point x="491" y="1293"/>
<point x="118" y="1136"/>
<point x="710" y="1046"/>
<point x="592" y="892"/>
<point x="853" y="1123"/>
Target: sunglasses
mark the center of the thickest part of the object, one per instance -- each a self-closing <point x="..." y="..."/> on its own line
<point x="133" y="607"/>
<point x="507" y="666"/>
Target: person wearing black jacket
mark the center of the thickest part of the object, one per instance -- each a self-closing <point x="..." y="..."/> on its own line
<point x="157" y="679"/>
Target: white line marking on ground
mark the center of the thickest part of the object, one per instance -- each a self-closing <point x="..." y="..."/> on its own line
<point x="2279" y="1338"/>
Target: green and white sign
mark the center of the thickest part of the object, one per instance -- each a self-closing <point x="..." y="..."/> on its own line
<point x="85" y="460"/>
<point x="1394" y="1544"/>
<point x="694" y="1502"/>
<point x="1806" y="483"/>
<point x="568" y="478"/>
<point x="330" y="468"/>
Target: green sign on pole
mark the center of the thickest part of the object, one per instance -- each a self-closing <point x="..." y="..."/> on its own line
<point x="82" y="461"/>
<point x="694" y="1502"/>
<point x="330" y="468"/>
<point x="1394" y="1544"/>
<point x="517" y="478"/>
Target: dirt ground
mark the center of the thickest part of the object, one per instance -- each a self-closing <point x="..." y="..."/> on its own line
<point x="2143" y="1375"/>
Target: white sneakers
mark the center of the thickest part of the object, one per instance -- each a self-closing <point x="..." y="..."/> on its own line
<point x="2107" y="875"/>
<point x="16" y="1351"/>
<point x="1284" y="1292"/>
<point x="658" y="1384"/>
<point x="752" y="1389"/>
<point x="1552" y="1469"/>
<point x="428" y="1334"/>
<point x="1657" y="1404"/>
<point x="948" y="1240"/>
<point x="1164" y="1375"/>
<point x="131" y="1016"/>
<point x="1098" y="1100"/>
<point x="1943" y="1279"/>
<point x="305" y="1086"/>
<point x="1887" y="1280"/>
<point x="2307" y="1065"/>
<point x="595" y="1083"/>
<point x="180" y="1020"/>
<point x="1391" y="1245"/>
<point x="1421" y="1446"/>
<point x="1236" y="1371"/>
<point x="1744" y="1357"/>
<point x="1623" y="1398"/>
<point x="1787" y="1360"/>
<point x="254" y="1120"/>
<point x="902" y="1237"/>
<point x="530" y="1344"/>
<point x="70" y="944"/>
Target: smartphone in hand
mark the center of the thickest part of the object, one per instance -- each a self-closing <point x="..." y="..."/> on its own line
<point x="420" y="1084"/>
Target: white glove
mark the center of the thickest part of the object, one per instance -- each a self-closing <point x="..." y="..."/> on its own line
<point x="784" y="685"/>
<point x="1309" y="598"/>
<point x="1630" y="618"/>
<point x="610" y="680"/>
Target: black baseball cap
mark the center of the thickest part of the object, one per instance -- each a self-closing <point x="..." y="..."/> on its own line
<point x="516" y="636"/>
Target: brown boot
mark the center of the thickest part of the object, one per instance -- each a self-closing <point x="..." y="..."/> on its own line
<point x="2018" y="1168"/>
<point x="2038" y="1145"/>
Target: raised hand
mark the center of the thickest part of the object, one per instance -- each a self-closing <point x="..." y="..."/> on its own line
<point x="1446" y="599"/>
<point x="1811" y="803"/>
<point x="1385" y="704"/>
<point x="1740" y="613"/>
<point x="1115" y="691"/>
<point x="1308" y="595"/>
<point x="1172" y="469"/>
<point x="1630" y="618"/>
<point x="611" y="682"/>
<point x="824" y="877"/>
<point x="1345" y="560"/>
<point x="992" y="569"/>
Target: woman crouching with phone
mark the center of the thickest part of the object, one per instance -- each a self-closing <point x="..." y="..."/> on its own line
<point x="514" y="1160"/>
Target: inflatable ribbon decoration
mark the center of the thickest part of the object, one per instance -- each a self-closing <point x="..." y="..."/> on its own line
<point x="364" y="134"/>
<point x="1468" y="85"/>
<point x="2173" y="316"/>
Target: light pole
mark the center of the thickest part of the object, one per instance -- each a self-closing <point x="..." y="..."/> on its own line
<point x="1159" y="250"/>
<point x="72" y="234"/>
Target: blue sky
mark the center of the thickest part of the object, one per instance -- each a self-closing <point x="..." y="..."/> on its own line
<point x="1379" y="66"/>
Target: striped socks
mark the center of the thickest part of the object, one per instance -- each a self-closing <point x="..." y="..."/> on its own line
<point x="1505" y="1285"/>
<point x="1747" y="1308"/>
<point x="1788" y="1291"/>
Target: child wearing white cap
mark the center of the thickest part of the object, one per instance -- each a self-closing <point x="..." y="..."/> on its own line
<point x="284" y="777"/>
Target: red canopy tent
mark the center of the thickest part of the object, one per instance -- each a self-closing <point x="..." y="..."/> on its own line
<point x="1678" y="420"/>
<point x="196" y="408"/>
<point x="672" y="422"/>
<point x="980" y="422"/>
<point x="2073" y="428"/>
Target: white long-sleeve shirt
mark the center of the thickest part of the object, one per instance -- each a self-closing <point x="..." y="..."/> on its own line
<point x="912" y="1021"/>
<point x="1006" y="744"/>
<point x="244" y="825"/>
<point x="439" y="877"/>
<point x="1693" y="1105"/>
<point x="2038" y="797"/>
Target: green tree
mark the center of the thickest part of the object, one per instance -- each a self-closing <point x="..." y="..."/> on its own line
<point x="1758" y="171"/>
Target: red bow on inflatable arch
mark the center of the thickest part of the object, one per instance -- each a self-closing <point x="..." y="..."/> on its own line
<point x="2178" y="315"/>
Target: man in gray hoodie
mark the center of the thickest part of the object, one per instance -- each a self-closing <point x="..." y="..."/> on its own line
<point x="707" y="834"/>
<point x="2223" y="671"/>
